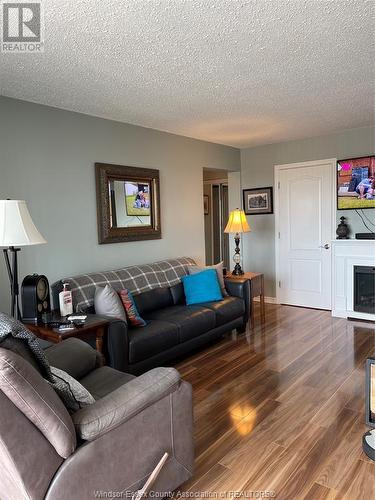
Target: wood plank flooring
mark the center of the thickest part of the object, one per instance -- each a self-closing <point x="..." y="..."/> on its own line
<point x="280" y="409"/>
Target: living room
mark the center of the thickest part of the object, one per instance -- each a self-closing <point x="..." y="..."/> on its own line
<point x="250" y="379"/>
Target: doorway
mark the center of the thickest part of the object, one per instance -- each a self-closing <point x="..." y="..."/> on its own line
<point x="216" y="212"/>
<point x="305" y="211"/>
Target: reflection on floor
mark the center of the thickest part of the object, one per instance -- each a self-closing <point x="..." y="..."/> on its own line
<point x="281" y="409"/>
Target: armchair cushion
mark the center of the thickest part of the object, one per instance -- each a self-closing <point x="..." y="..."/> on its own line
<point x="73" y="356"/>
<point x="125" y="402"/>
<point x="37" y="400"/>
<point x="104" y="380"/>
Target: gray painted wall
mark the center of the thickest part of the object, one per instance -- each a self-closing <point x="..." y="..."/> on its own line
<point x="47" y="158"/>
<point x="257" y="170"/>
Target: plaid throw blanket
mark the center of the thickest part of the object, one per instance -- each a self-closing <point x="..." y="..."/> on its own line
<point x="137" y="279"/>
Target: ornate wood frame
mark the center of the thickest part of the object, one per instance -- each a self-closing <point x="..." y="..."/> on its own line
<point x="106" y="172"/>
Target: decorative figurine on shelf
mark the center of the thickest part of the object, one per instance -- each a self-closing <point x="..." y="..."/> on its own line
<point x="342" y="230"/>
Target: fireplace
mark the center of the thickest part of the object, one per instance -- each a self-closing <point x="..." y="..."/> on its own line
<point x="364" y="289"/>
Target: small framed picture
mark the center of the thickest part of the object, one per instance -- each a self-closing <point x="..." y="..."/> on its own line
<point x="370" y="392"/>
<point x="206" y="204"/>
<point x="258" y="201"/>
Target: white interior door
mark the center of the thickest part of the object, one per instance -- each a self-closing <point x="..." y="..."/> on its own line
<point x="305" y="209"/>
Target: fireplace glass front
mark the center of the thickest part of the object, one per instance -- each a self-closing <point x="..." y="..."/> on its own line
<point x="364" y="289"/>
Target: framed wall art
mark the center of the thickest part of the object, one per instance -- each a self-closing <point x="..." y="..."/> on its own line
<point x="258" y="201"/>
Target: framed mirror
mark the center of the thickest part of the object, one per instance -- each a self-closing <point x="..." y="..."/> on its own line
<point x="128" y="203"/>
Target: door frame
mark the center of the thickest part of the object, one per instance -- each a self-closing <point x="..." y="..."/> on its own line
<point x="332" y="164"/>
<point x="211" y="183"/>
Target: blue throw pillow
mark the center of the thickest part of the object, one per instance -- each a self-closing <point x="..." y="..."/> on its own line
<point x="202" y="287"/>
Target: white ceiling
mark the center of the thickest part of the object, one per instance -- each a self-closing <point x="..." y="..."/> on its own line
<point x="234" y="72"/>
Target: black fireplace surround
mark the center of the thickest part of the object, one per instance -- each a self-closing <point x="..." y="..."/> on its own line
<point x="364" y="289"/>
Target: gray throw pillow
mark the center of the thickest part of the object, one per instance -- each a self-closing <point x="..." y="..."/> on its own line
<point x="108" y="303"/>
<point x="219" y="270"/>
<point x="73" y="394"/>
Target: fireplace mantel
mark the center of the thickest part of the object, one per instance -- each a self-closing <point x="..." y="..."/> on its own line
<point x="346" y="254"/>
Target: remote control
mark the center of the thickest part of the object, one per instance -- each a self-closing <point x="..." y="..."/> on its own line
<point x="65" y="328"/>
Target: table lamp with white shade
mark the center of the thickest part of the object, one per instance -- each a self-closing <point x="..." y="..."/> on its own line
<point x="16" y="230"/>
<point x="237" y="224"/>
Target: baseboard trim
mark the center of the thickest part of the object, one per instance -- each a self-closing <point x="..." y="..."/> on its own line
<point x="267" y="300"/>
<point x="339" y="314"/>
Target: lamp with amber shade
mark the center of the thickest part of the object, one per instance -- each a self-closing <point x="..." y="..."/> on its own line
<point x="237" y="224"/>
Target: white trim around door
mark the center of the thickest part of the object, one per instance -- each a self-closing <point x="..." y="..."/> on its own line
<point x="278" y="171"/>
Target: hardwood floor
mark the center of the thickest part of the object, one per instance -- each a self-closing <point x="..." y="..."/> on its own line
<point x="281" y="409"/>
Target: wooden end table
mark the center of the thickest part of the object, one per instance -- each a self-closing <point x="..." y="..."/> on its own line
<point x="93" y="325"/>
<point x="256" y="290"/>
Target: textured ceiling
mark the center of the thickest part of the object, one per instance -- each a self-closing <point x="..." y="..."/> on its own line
<point x="228" y="71"/>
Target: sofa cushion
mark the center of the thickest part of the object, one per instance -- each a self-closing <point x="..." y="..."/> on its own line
<point x="155" y="337"/>
<point x="132" y="314"/>
<point x="178" y="294"/>
<point x="108" y="303"/>
<point x="36" y="399"/>
<point x="104" y="380"/>
<point x="202" y="287"/>
<point x="227" y="309"/>
<point x="153" y="299"/>
<point x="190" y="320"/>
<point x="219" y="268"/>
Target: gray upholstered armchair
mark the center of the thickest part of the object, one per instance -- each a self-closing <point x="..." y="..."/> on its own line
<point x="110" y="446"/>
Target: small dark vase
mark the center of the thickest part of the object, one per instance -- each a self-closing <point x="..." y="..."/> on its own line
<point x="342" y="230"/>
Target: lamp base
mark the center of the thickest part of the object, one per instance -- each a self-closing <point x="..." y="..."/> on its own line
<point x="13" y="279"/>
<point x="237" y="271"/>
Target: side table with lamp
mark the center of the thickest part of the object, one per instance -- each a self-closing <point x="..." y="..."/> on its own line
<point x="238" y="224"/>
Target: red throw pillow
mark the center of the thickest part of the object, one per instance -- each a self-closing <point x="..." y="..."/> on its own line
<point x="132" y="314"/>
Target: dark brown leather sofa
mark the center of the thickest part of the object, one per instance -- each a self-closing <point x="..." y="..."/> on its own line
<point x="174" y="329"/>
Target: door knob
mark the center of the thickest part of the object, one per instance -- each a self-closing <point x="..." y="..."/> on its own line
<point x="326" y="246"/>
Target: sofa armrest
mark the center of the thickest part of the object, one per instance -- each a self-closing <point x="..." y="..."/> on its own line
<point x="240" y="287"/>
<point x="125" y="402"/>
<point x="116" y="343"/>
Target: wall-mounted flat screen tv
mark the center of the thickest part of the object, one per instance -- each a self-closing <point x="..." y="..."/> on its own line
<point x="356" y="183"/>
